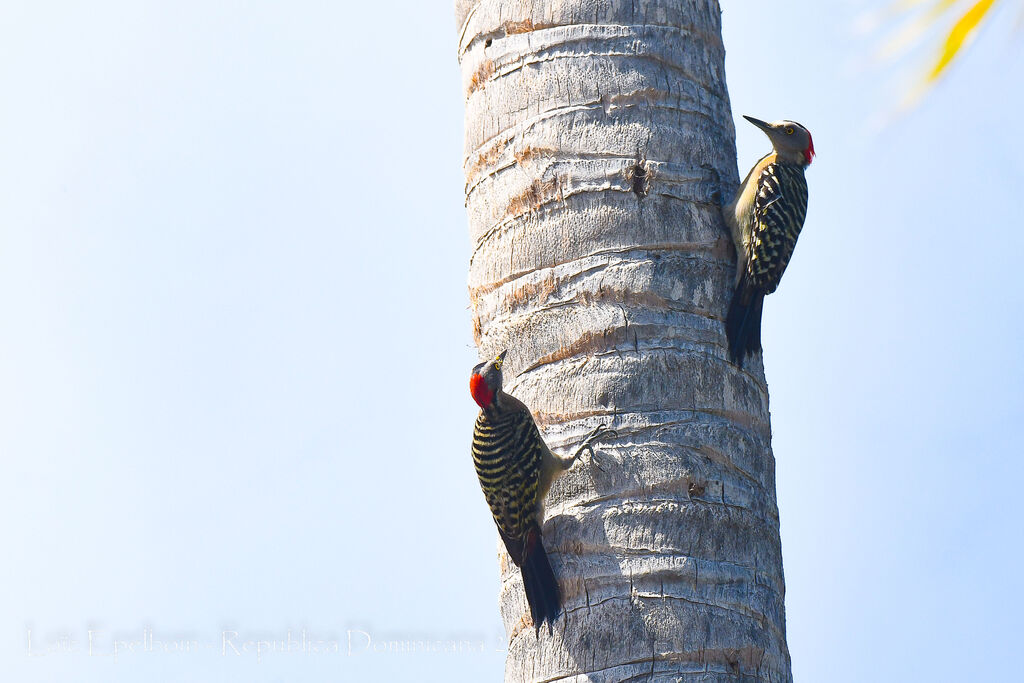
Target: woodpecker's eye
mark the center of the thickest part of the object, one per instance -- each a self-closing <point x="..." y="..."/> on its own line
<point x="789" y="131"/>
<point x="497" y="363"/>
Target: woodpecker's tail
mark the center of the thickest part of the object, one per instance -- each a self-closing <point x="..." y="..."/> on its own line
<point x="743" y="323"/>
<point x="539" y="580"/>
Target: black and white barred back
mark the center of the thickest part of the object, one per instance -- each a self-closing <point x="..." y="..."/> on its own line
<point x="508" y="453"/>
<point x="508" y="456"/>
<point x="780" y="207"/>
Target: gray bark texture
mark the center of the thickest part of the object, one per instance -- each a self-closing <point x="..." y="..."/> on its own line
<point x="597" y="135"/>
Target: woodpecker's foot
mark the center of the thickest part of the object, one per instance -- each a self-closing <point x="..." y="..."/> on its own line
<point x="595" y="462"/>
<point x="600" y="431"/>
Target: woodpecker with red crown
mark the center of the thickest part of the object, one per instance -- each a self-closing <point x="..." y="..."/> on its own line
<point x="516" y="468"/>
<point x="765" y="219"/>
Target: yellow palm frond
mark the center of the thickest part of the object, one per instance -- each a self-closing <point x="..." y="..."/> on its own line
<point x="914" y="29"/>
<point x="912" y="21"/>
<point x="963" y="31"/>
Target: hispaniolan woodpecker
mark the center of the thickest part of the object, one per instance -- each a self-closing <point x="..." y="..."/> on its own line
<point x="765" y="219"/>
<point x="516" y="468"/>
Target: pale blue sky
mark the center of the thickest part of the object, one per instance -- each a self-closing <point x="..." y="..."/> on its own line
<point x="236" y="338"/>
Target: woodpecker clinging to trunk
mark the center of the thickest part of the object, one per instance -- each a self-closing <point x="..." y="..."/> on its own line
<point x="765" y="219"/>
<point x="516" y="468"/>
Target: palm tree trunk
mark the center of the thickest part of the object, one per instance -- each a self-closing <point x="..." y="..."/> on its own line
<point x="597" y="132"/>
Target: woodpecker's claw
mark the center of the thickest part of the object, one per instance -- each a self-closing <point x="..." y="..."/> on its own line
<point x="600" y="431"/>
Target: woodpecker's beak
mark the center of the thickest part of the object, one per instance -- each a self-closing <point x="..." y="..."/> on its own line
<point x="763" y="125"/>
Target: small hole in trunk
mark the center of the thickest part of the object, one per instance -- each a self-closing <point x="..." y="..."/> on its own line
<point x="640" y="179"/>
